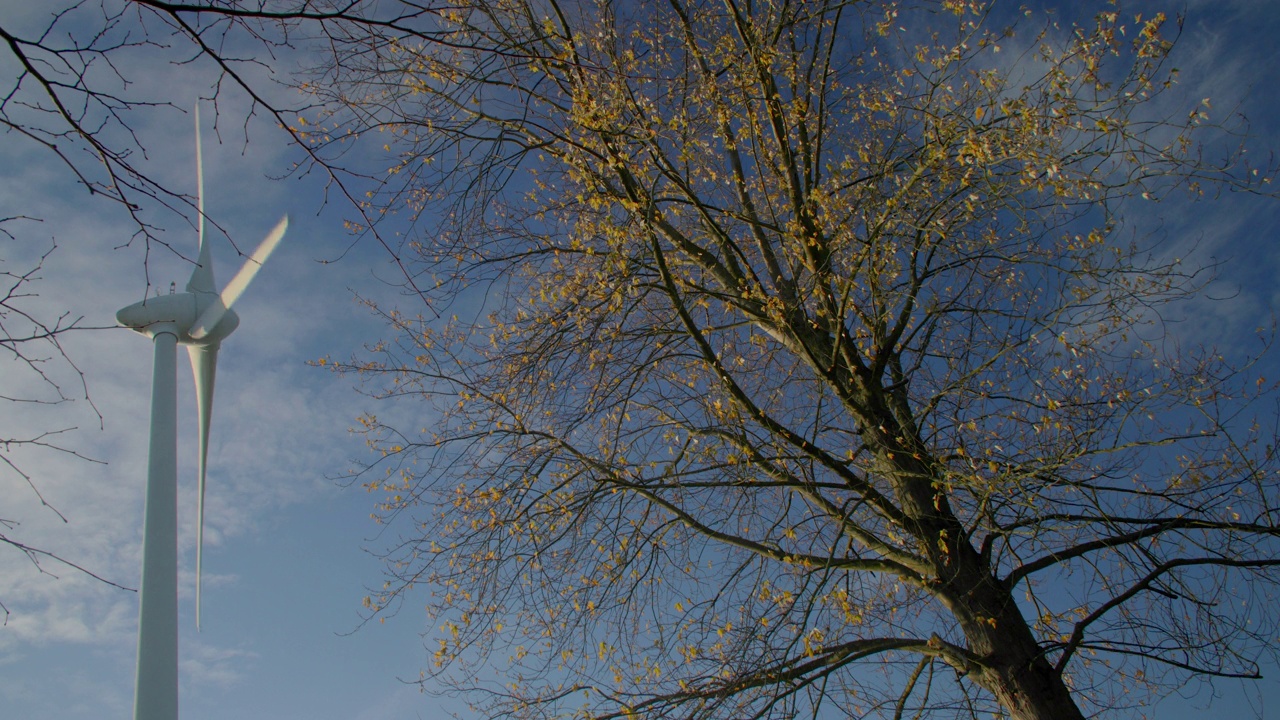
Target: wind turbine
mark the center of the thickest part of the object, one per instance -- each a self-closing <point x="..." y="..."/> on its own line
<point x="200" y="318"/>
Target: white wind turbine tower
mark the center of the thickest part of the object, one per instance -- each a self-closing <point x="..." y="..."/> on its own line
<point x="198" y="318"/>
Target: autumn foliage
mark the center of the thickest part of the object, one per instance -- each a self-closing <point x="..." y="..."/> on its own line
<point x="790" y="358"/>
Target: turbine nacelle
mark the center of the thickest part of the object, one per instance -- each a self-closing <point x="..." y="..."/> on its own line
<point x="177" y="314"/>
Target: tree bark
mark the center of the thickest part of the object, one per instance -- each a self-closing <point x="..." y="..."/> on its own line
<point x="1012" y="664"/>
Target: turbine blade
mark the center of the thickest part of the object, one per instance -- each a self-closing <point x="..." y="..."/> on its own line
<point x="202" y="276"/>
<point x="234" y="289"/>
<point x="204" y="360"/>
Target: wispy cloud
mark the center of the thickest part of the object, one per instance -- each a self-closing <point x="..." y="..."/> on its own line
<point x="214" y="667"/>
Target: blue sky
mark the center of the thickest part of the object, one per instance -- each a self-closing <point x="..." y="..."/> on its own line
<point x="285" y="569"/>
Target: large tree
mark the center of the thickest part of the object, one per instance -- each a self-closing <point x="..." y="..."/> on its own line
<point x="802" y="357"/>
<point x="789" y="358"/>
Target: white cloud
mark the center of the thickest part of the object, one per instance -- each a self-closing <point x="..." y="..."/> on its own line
<point x="213" y="667"/>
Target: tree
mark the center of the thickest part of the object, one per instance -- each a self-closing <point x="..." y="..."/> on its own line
<point x="790" y="357"/>
<point x="815" y="371"/>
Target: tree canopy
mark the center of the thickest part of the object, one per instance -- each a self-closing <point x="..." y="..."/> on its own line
<point x="817" y="368"/>
<point x="791" y="358"/>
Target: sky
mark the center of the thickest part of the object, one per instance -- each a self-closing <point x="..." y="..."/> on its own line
<point x="285" y="564"/>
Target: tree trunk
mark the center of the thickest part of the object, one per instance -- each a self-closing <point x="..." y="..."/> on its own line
<point x="1009" y="662"/>
<point x="1014" y="668"/>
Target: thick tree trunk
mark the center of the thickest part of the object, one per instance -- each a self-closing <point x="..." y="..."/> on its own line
<point x="1013" y="666"/>
<point x="1035" y="693"/>
<point x="1009" y="662"/>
